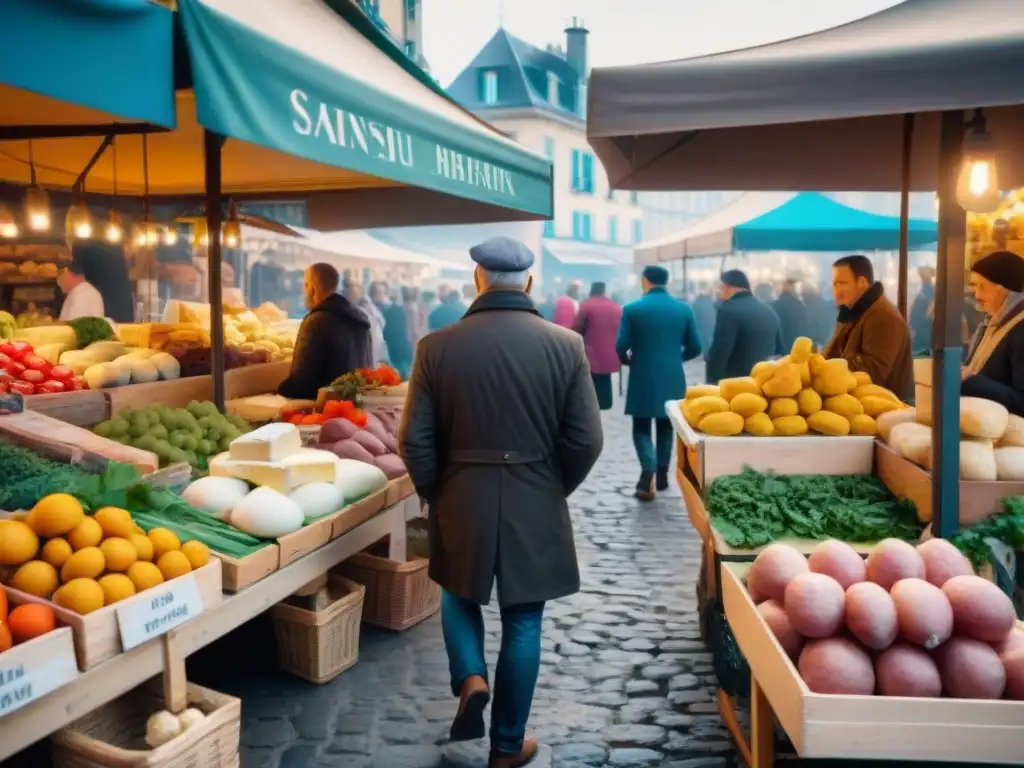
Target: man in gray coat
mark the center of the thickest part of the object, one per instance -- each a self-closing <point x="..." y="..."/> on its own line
<point x="501" y="424"/>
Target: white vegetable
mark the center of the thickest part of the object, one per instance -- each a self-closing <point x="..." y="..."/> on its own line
<point x="106" y="375"/>
<point x="886" y="421"/>
<point x="1009" y="462"/>
<point x="1014" y="434"/>
<point x="912" y="441"/>
<point x="167" y="365"/>
<point x="977" y="460"/>
<point x="983" y="418"/>
<point x="357" y="479"/>
<point x="190" y="718"/>
<point x="79" y="360"/>
<point x="216" y="495"/>
<point x="318" y="499"/>
<point x="106" y="350"/>
<point x="142" y="370"/>
<point x="161" y="727"/>
<point x="267" y="514"/>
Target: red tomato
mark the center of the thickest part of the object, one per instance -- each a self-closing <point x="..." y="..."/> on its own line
<point x="295" y="418"/>
<point x="62" y="373"/>
<point x="5" y="377"/>
<point x="4" y="389"/>
<point x="312" y="419"/>
<point x="33" y="376"/>
<point x="4" y="359"/>
<point x="15" y="368"/>
<point x="21" y="348"/>
<point x="35" y="362"/>
<point x="6" y="348"/>
<point x="23" y="388"/>
<point x="52" y="387"/>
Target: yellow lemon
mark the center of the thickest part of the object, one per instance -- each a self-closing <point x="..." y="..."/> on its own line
<point x="198" y="554"/>
<point x="80" y="595"/>
<point x="56" y="552"/>
<point x="36" y="578"/>
<point x="86" y="534"/>
<point x="163" y="541"/>
<point x="118" y="554"/>
<point x="115" y="522"/>
<point x="18" y="542"/>
<point x="173" y="564"/>
<point x="143" y="546"/>
<point x="144" y="575"/>
<point x="56" y="514"/>
<point x="116" y="587"/>
<point x="87" y="563"/>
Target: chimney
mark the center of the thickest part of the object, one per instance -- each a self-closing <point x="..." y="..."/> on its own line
<point x="576" y="47"/>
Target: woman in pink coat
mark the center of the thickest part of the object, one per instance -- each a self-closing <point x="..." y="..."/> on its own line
<point x="598" y="322"/>
<point x="567" y="307"/>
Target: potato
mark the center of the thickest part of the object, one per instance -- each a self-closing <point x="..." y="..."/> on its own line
<point x="943" y="561"/>
<point x="775" y="617"/>
<point x="391" y="465"/>
<point x="702" y="406"/>
<point x="924" y="613"/>
<point x="907" y="670"/>
<point x="828" y="423"/>
<point x="1013" y="665"/>
<point x="746" y="404"/>
<point x="760" y="425"/>
<point x="845" y="405"/>
<point x="350" y="449"/>
<point x="730" y="388"/>
<point x="790" y="426"/>
<point x="724" y="424"/>
<point x="838" y="560"/>
<point x="809" y="402"/>
<point x="970" y="669"/>
<point x="837" y="665"/>
<point x="815" y="604"/>
<point x="773" y="568"/>
<point x="980" y="609"/>
<point x="783" y="406"/>
<point x="369" y="442"/>
<point x="334" y="430"/>
<point x="871" y="615"/>
<point x="891" y="560"/>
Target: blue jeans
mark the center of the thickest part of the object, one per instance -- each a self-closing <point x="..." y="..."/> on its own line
<point x="651" y="458"/>
<point x="518" y="663"/>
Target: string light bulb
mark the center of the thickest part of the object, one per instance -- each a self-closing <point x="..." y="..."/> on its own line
<point x="171" y="235"/>
<point x="115" y="227"/>
<point x="145" y="233"/>
<point x="8" y="226"/>
<point x="977" y="187"/>
<point x="231" y="232"/>
<point x="78" y="222"/>
<point x="37" y="208"/>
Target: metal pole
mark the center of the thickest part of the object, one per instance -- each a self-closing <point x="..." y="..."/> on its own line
<point x="904" y="263"/>
<point x="212" y="145"/>
<point x="947" y="342"/>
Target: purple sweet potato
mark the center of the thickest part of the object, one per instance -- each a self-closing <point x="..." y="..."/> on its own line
<point x="376" y="428"/>
<point x="334" y="430"/>
<point x="391" y="465"/>
<point x="369" y="442"/>
<point x="350" y="449"/>
<point x="390" y="420"/>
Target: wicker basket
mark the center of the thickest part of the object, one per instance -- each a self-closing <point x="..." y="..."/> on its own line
<point x="319" y="645"/>
<point x="398" y="595"/>
<point x="113" y="736"/>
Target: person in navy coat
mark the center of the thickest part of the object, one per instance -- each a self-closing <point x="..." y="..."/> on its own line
<point x="747" y="331"/>
<point x="658" y="333"/>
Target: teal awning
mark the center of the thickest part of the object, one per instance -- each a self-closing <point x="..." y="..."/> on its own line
<point x="114" y="58"/>
<point x="303" y="77"/>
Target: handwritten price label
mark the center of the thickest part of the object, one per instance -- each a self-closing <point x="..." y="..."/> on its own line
<point x="159" y="610"/>
<point x="23" y="681"/>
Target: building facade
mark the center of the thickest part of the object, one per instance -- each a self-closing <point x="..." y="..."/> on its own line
<point x="402" y="20"/>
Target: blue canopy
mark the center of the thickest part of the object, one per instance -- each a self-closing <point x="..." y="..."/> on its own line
<point x="782" y="221"/>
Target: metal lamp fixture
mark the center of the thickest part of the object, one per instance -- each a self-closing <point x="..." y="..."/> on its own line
<point x="231" y="233"/>
<point x="200" y="233"/>
<point x="8" y="226"/>
<point x="115" y="226"/>
<point x="78" y="222"/>
<point x="37" y="202"/>
<point x="145" y="232"/>
<point x="977" y="188"/>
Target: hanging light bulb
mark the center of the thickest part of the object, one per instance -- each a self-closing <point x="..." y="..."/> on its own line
<point x="37" y="208"/>
<point x="145" y="232"/>
<point x="200" y="233"/>
<point x="977" y="188"/>
<point x="115" y="227"/>
<point x="8" y="226"/>
<point x="171" y="235"/>
<point x="78" y="222"/>
<point x="231" y="232"/>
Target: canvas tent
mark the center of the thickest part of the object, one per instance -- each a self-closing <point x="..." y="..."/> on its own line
<point x="782" y="221"/>
<point x="823" y="111"/>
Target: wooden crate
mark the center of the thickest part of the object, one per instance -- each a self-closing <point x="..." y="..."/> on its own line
<point x="176" y="393"/>
<point x="306" y="539"/>
<point x="85" y="408"/>
<point x="358" y="513"/>
<point x="32" y="670"/>
<point x="398" y="489"/>
<point x="239" y="573"/>
<point x="97" y="638"/>
<point x="710" y="457"/>
<point x="868" y="727"/>
<point x="978" y="499"/>
<point x="254" y="379"/>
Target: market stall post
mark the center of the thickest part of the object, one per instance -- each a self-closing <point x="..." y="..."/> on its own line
<point x="904" y="264"/>
<point x="947" y="333"/>
<point x="213" y="143"/>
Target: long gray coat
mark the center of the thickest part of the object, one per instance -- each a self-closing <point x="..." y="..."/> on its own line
<point x="501" y="424"/>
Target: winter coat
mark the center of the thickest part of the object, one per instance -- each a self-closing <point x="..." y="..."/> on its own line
<point x="747" y="331"/>
<point x="792" y="316"/>
<point x="566" y="308"/>
<point x="500" y="425"/>
<point x="447" y="312"/>
<point x="334" y="339"/>
<point x="598" y="322"/>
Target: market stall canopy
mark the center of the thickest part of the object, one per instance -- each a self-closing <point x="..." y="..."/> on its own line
<point x="93" y="61"/>
<point x="317" y="104"/>
<point x="782" y="221"/>
<point x="575" y="253"/>
<point x="360" y="245"/>
<point x="824" y="111"/>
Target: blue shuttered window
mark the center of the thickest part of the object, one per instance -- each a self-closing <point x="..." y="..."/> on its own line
<point x="582" y="171"/>
<point x="638" y="231"/>
<point x="488" y="86"/>
<point x="613" y="229"/>
<point x="581" y="225"/>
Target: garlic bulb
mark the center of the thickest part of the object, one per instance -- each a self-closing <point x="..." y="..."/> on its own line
<point x="161" y="727"/>
<point x="190" y="717"/>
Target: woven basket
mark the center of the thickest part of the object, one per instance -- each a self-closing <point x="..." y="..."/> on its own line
<point x="319" y="645"/>
<point x="398" y="595"/>
<point x="113" y="736"/>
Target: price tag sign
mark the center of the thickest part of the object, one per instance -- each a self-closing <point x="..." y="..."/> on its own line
<point x="24" y="681"/>
<point x="159" y="610"/>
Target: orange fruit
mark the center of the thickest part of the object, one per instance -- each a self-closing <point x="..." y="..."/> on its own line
<point x="3" y="605"/>
<point x="30" y="621"/>
<point x="6" y="638"/>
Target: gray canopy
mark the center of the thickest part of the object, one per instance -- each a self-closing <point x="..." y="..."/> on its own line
<point x="823" y="111"/>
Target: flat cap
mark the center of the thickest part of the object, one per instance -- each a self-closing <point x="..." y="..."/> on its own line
<point x="656" y="275"/>
<point x="502" y="254"/>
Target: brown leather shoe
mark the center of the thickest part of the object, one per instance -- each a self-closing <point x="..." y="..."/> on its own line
<point x="468" y="724"/>
<point x="526" y="755"/>
<point x="645" y="487"/>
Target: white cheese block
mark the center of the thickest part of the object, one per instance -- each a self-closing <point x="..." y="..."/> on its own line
<point x="306" y="465"/>
<point x="269" y="443"/>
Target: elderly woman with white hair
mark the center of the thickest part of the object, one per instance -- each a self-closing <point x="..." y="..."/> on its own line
<point x="994" y="369"/>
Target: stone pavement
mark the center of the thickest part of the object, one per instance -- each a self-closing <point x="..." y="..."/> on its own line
<point x="625" y="681"/>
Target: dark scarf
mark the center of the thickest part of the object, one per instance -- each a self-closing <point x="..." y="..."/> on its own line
<point x="853" y="314"/>
<point x="490" y="300"/>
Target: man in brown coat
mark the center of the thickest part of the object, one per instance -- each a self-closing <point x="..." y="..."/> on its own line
<point x="501" y="424"/>
<point x="871" y="334"/>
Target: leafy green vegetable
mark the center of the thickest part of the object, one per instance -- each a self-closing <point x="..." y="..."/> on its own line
<point x="26" y="477"/>
<point x="1007" y="527"/>
<point x="90" y="329"/>
<point x="753" y="509"/>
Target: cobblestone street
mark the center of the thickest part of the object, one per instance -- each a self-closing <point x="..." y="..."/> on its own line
<point x="625" y="681"/>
